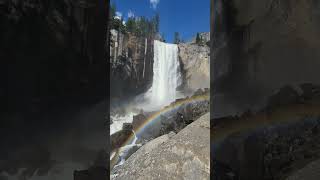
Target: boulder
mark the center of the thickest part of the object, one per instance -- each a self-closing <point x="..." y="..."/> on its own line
<point x="285" y="96"/>
<point x="119" y="138"/>
<point x="186" y="155"/>
<point x="198" y="92"/>
<point x="138" y="120"/>
<point x="174" y="121"/>
<point x="130" y="151"/>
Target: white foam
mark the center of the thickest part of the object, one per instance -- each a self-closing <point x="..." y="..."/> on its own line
<point x="119" y="120"/>
<point x="166" y="75"/>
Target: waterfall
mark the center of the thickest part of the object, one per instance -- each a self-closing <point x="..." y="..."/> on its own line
<point x="166" y="74"/>
<point x="166" y="79"/>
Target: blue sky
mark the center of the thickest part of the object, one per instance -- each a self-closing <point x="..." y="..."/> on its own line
<point x="184" y="16"/>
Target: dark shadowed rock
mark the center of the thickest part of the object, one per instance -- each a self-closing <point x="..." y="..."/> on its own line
<point x="119" y="138"/>
<point x="221" y="171"/>
<point x="310" y="91"/>
<point x="309" y="172"/>
<point x="95" y="173"/>
<point x="127" y="126"/>
<point x="262" y="46"/>
<point x="285" y="96"/>
<point x="271" y="152"/>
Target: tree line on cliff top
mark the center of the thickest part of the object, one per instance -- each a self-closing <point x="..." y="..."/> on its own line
<point x="139" y="26"/>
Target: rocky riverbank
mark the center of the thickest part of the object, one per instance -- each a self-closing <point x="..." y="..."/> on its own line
<point x="184" y="155"/>
<point x="174" y="121"/>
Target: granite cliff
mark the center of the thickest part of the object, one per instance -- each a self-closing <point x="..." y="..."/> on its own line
<point x="259" y="47"/>
<point x="195" y="64"/>
<point x="131" y="59"/>
<point x="53" y="60"/>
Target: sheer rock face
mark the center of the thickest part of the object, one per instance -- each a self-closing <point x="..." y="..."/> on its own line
<point x="195" y="65"/>
<point x="52" y="65"/>
<point x="262" y="46"/>
<point x="52" y="50"/>
<point x="185" y="155"/>
<point x="131" y="59"/>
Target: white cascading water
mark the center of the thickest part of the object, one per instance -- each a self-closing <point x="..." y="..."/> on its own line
<point x="123" y="151"/>
<point x="166" y="74"/>
<point x="166" y="79"/>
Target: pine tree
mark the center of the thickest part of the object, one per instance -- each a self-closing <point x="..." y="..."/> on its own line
<point x="176" y="39"/>
<point x="162" y="37"/>
<point x="131" y="25"/>
<point x="157" y="22"/>
<point x="122" y="27"/>
<point x="112" y="11"/>
<point x="198" y="39"/>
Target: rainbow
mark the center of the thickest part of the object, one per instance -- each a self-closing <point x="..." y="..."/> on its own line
<point x="166" y="109"/>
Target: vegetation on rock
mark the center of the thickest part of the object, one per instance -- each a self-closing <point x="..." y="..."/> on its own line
<point x="138" y="26"/>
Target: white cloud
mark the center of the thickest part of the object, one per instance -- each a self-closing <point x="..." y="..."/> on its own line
<point x="130" y="14"/>
<point x="154" y="3"/>
<point x="118" y="15"/>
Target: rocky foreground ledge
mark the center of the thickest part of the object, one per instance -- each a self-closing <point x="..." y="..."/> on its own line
<point x="282" y="141"/>
<point x="185" y="155"/>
